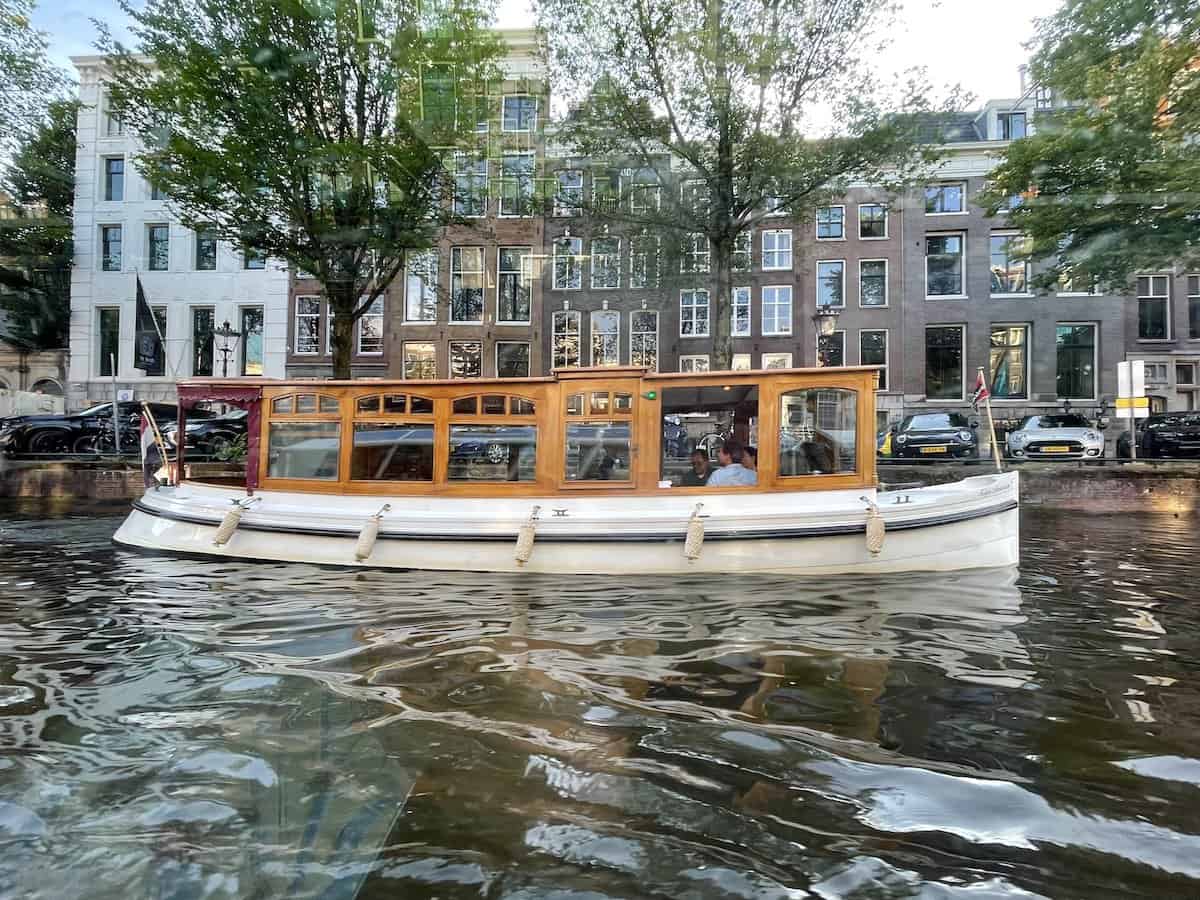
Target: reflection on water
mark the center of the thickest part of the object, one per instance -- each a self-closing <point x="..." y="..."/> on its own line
<point x="174" y="728"/>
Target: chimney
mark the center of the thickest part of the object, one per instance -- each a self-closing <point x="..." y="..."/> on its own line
<point x="1023" y="73"/>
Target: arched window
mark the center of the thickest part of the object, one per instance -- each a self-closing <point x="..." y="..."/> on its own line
<point x="47" y="386"/>
<point x="818" y="432"/>
<point x="485" y="449"/>
<point x="393" y="438"/>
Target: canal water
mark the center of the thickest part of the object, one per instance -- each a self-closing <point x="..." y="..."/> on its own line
<point x="185" y="729"/>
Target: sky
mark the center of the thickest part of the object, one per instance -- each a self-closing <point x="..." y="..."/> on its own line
<point x="977" y="44"/>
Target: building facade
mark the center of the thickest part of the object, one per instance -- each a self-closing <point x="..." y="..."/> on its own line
<point x="124" y="230"/>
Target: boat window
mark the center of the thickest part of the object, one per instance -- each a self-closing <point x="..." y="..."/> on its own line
<point x="420" y="405"/>
<point x="305" y="404"/>
<point x="598" y="451"/>
<point x="303" y="449"/>
<point x="623" y="403"/>
<point x="367" y="404"/>
<point x="282" y="405"/>
<point x="599" y="404"/>
<point x="466" y="405"/>
<point x="494" y="405"/>
<point x="492" y="453"/>
<point x="696" y="421"/>
<point x="392" y="451"/>
<point x="329" y="404"/>
<point x="818" y="431"/>
<point x="575" y="405"/>
<point x="394" y="403"/>
<point x="522" y="407"/>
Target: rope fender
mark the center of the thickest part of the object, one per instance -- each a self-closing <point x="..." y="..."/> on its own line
<point x="876" y="528"/>
<point x="694" y="541"/>
<point x="525" y="535"/>
<point x="369" y="534"/>
<point x="231" y="519"/>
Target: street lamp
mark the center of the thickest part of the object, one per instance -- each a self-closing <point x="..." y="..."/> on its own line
<point x="226" y="334"/>
<point x="825" y="323"/>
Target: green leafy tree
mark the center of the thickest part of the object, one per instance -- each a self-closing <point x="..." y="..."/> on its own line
<point x="314" y="132"/>
<point x="1109" y="181"/>
<point x="27" y="78"/>
<point x="35" y="240"/>
<point x="759" y="106"/>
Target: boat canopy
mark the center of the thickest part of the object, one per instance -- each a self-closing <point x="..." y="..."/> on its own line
<point x="602" y="430"/>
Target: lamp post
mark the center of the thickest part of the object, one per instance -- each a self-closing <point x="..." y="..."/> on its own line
<point x="226" y="334"/>
<point x="825" y="323"/>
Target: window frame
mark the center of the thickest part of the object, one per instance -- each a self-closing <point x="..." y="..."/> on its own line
<point x="887" y="356"/>
<point x="962" y="363"/>
<point x="424" y="288"/>
<point x="296" y="318"/>
<point x="204" y="235"/>
<point x="733" y="310"/>
<point x="841" y="222"/>
<point x="150" y="228"/>
<point x="528" y="345"/>
<point x="887" y="298"/>
<point x="101" y="309"/>
<point x="567" y="315"/>
<point x="530" y="126"/>
<point x="775" y="305"/>
<point x="693" y="358"/>
<point x="1164" y="298"/>
<point x="457" y="250"/>
<point x="524" y="275"/>
<point x="1027" y="346"/>
<point x="404" y="374"/>
<point x="940" y="186"/>
<point x="522" y="179"/>
<point x="472" y="177"/>
<point x="358" y="328"/>
<point x="574" y="263"/>
<point x="593" y="334"/>
<point x="1095" y="327"/>
<point x="818" y="337"/>
<point x="791" y="358"/>
<point x="105" y="175"/>
<point x="450" y="345"/>
<point x="211" y="312"/>
<point x="883" y="208"/>
<point x="643" y="333"/>
<point x="105" y="256"/>
<point x="1191" y="288"/>
<point x="817" y="281"/>
<point x="652" y="255"/>
<point x="612" y="262"/>
<point x="775" y="251"/>
<point x="243" y="360"/>
<point x="1008" y="235"/>
<point x="962" y="269"/>
<point x="695" y="306"/>
<point x="559" y="209"/>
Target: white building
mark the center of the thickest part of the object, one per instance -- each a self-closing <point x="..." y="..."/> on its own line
<point x="122" y="231"/>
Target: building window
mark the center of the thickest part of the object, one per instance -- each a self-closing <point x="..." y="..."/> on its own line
<point x="1185" y="374"/>
<point x="643" y="261"/>
<point x="466" y="359"/>
<point x="206" y="250"/>
<point x="157" y="193"/>
<point x="777" y="360"/>
<point x="514" y="285"/>
<point x="777" y="249"/>
<point x="512" y="359"/>
<point x="1193" y="290"/>
<point x="1153" y="308"/>
<point x="110" y="248"/>
<point x="1009" y="264"/>
<point x="695" y="257"/>
<point x="1008" y="361"/>
<point x="565" y="339"/>
<point x="872" y="282"/>
<point x="742" y="243"/>
<point x="569" y="199"/>
<point x="470" y="185"/>
<point x="643" y="339"/>
<point x="694" y="198"/>
<point x="252" y="340"/>
<point x="420" y="360"/>
<point x="1043" y="98"/>
<point x="606" y="263"/>
<point x="109" y="344"/>
<point x="370" y="329"/>
<point x="253" y="258"/>
<point x="831" y="223"/>
<point x="742" y="362"/>
<point x="944" y="274"/>
<point x="158" y="248"/>
<point x="111" y="122"/>
<point x="777" y="309"/>
<point x="466" y="284"/>
<point x="872" y="221"/>
<point x="831" y="349"/>
<point x="420" y="286"/>
<point x="941" y="199"/>
<point x="606" y="190"/>
<point x="831" y="283"/>
<point x="693" y="313"/>
<point x="519" y="113"/>
<point x="1012" y="126"/>
<point x="741" y="312"/>
<point x="568" y="274"/>
<point x="944" y="362"/>
<point x="693" y="364"/>
<point x="203" y="326"/>
<point x="606" y="337"/>
<point x="308" y="325"/>
<point x="114" y="178"/>
<point x="516" y="184"/>
<point x="1075" y="348"/>
<point x="873" y="351"/>
<point x="644" y="192"/>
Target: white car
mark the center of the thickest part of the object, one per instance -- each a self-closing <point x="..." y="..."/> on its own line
<point x="1060" y="436"/>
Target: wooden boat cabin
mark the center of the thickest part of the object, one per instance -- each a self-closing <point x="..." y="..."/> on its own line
<point x="607" y="431"/>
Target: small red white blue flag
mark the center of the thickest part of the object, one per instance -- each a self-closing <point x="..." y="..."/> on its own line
<point x="981" y="391"/>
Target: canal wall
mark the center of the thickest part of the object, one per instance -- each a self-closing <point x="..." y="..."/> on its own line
<point x="1095" y="488"/>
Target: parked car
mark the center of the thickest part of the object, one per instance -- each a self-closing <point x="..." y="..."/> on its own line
<point x="935" y="435"/>
<point x="1165" y="436"/>
<point x="210" y="436"/>
<point x="83" y="432"/>
<point x="1058" y="436"/>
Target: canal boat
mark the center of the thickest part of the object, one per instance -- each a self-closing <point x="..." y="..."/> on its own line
<point x="571" y="473"/>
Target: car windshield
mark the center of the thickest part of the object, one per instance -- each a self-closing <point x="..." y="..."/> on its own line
<point x="97" y="410"/>
<point x="930" y="421"/>
<point x="1057" y="422"/>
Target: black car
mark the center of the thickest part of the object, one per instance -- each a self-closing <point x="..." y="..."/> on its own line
<point x="89" y="431"/>
<point x="1170" y="435"/>
<point x="211" y="436"/>
<point x="935" y="435"/>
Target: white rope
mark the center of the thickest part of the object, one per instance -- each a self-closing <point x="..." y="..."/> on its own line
<point x="695" y="534"/>
<point x="876" y="528"/>
<point x="524" y="548"/>
<point x="229" y="523"/>
<point x="369" y="534"/>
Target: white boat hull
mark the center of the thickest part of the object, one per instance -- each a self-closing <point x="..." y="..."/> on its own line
<point x="965" y="525"/>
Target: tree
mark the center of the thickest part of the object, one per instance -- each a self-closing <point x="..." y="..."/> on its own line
<point x="27" y="78"/>
<point x="1108" y="182"/>
<point x="35" y="242"/>
<point x="314" y="132"/>
<point x="734" y="93"/>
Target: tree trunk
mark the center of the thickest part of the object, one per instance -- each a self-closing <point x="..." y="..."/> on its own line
<point x="720" y="303"/>
<point x="342" y="301"/>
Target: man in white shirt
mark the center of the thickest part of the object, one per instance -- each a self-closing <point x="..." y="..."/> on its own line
<point x="732" y="473"/>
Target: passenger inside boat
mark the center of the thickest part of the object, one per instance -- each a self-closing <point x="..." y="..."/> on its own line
<point x="709" y="416"/>
<point x="732" y="473"/>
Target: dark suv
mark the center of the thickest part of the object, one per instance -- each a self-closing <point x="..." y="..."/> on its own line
<point x="935" y="435"/>
<point x="1164" y="436"/>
